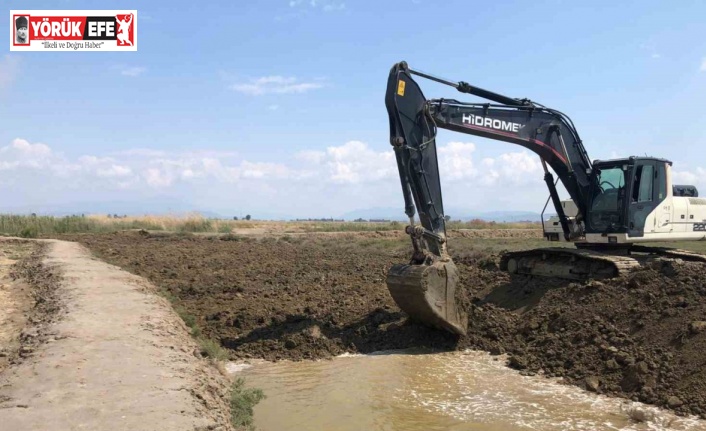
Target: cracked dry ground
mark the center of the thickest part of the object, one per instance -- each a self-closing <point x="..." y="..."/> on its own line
<point x="641" y="336"/>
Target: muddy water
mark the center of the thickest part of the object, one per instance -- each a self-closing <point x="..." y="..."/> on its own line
<point x="441" y="391"/>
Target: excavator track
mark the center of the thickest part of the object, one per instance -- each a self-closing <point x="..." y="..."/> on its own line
<point x="567" y="263"/>
<point x="670" y="252"/>
<point x="427" y="293"/>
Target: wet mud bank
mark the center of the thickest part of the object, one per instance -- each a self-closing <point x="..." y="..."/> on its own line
<point x="640" y="337"/>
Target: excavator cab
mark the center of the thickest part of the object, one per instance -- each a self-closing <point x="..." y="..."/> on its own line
<point x="624" y="193"/>
<point x="607" y="210"/>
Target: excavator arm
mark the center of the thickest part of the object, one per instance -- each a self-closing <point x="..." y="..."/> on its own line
<point x="425" y="288"/>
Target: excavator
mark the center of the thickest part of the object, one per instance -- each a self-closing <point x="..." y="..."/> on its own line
<point x="614" y="205"/>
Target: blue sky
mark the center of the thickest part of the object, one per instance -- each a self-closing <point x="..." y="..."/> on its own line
<point x="276" y="107"/>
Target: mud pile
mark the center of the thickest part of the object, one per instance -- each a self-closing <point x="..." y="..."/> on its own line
<point x="642" y="336"/>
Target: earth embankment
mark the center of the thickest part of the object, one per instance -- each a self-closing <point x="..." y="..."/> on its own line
<point x="112" y="354"/>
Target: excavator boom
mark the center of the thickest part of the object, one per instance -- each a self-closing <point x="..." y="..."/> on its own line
<point x="425" y="288"/>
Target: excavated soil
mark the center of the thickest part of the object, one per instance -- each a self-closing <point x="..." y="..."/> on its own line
<point x="642" y="336"/>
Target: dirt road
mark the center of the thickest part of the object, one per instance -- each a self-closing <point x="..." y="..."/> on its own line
<point x="116" y="357"/>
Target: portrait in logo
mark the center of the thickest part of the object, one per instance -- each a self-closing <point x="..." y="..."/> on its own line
<point x="125" y="28"/>
<point x="22" y="30"/>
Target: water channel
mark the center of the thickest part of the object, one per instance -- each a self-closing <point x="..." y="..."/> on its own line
<point x="408" y="391"/>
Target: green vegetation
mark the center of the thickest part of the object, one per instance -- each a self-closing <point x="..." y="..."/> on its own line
<point x="346" y="226"/>
<point x="212" y="349"/>
<point x="190" y="321"/>
<point x="482" y="224"/>
<point x="197" y="225"/>
<point x="242" y="401"/>
<point x="36" y="226"/>
<point x="224" y="228"/>
<point x="209" y="348"/>
<point x="42" y="226"/>
<point x="28" y="232"/>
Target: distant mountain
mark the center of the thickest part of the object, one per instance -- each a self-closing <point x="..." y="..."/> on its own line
<point x="455" y="213"/>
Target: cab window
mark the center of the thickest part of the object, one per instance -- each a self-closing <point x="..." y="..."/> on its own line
<point x="642" y="185"/>
<point x="661" y="182"/>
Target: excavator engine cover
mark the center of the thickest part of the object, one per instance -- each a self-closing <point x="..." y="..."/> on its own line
<point x="427" y="293"/>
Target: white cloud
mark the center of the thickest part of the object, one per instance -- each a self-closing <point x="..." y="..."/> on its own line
<point x="311" y="156"/>
<point x="93" y="160"/>
<point x="141" y="152"/>
<point x="133" y="71"/>
<point x="275" y="85"/>
<point x="703" y="65"/>
<point x="334" y="6"/>
<point x="167" y="171"/>
<point x="114" y="171"/>
<point x="325" y="5"/>
<point x="157" y="178"/>
<point x="264" y="170"/>
<point x="518" y="166"/>
<point x="354" y="162"/>
<point x="21" y="154"/>
<point x="336" y="179"/>
<point x="273" y="107"/>
<point x="455" y="160"/>
<point x="23" y="147"/>
<point x="615" y="155"/>
<point x="655" y="55"/>
<point x="696" y="177"/>
<point x="9" y="69"/>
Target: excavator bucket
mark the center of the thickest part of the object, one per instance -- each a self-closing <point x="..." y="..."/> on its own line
<point x="427" y="293"/>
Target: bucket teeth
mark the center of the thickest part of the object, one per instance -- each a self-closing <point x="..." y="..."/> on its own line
<point x="427" y="294"/>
